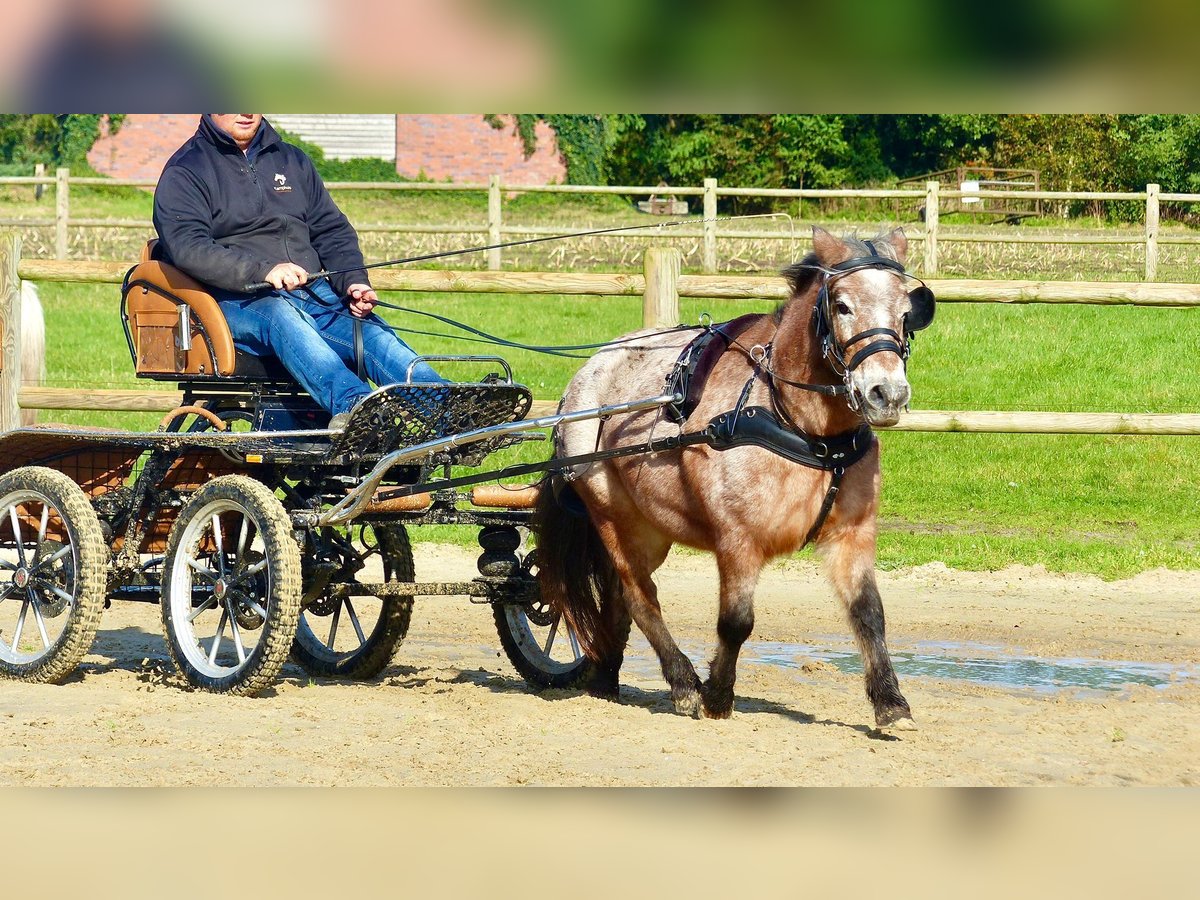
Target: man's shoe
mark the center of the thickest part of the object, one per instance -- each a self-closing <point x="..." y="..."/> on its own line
<point x="338" y="422"/>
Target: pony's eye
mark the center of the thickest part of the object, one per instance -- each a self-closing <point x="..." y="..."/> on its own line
<point x="841" y="308"/>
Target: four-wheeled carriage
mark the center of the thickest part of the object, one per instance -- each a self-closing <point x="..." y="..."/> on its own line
<point x="262" y="533"/>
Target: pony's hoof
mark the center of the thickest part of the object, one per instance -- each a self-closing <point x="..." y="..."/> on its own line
<point x="718" y="713"/>
<point x="689" y="705"/>
<point x="902" y="723"/>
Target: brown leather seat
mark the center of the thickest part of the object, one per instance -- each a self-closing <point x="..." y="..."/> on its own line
<point x="153" y="312"/>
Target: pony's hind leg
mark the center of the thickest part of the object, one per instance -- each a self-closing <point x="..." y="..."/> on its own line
<point x="735" y="621"/>
<point x="850" y="567"/>
<point x="615" y="620"/>
<point x="634" y="559"/>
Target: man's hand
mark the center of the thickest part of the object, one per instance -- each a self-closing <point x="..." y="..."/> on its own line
<point x="286" y="277"/>
<point x="362" y="299"/>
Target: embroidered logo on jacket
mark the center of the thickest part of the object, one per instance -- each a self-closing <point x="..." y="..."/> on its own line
<point x="281" y="185"/>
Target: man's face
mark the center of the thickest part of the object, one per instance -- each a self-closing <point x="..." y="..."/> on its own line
<point x="239" y="126"/>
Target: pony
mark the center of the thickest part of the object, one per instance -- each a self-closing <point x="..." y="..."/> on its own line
<point x="826" y="365"/>
<point x="33" y="344"/>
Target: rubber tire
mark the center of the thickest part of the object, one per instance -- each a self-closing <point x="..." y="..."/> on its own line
<point x="84" y="534"/>
<point x="265" y="661"/>
<point x="530" y="662"/>
<point x="390" y="629"/>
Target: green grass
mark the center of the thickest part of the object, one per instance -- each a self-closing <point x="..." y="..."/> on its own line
<point x="1109" y="505"/>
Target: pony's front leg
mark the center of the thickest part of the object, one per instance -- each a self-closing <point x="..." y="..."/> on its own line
<point x="735" y="621"/>
<point x="850" y="566"/>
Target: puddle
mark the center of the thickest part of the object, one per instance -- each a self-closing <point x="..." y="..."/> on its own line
<point x="977" y="663"/>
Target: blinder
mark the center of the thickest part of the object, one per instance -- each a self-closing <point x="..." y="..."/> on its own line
<point x="923" y="308"/>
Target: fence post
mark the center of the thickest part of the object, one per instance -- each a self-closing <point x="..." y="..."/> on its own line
<point x="39" y="171"/>
<point x="710" y="228"/>
<point x="494" y="214"/>
<point x="931" y="229"/>
<point x="660" y="304"/>
<point x="1152" y="232"/>
<point x="10" y="331"/>
<point x="62" y="211"/>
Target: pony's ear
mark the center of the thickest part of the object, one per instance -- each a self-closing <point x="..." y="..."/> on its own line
<point x="899" y="242"/>
<point x="830" y="251"/>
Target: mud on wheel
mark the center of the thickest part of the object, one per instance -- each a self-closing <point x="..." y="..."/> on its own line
<point x="538" y="641"/>
<point x="52" y="575"/>
<point x="356" y="635"/>
<point x="231" y="587"/>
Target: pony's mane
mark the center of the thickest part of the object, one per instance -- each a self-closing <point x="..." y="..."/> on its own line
<point x="804" y="274"/>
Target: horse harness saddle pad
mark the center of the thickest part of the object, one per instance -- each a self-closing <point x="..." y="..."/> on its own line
<point x="752" y="425"/>
<point x="696" y="363"/>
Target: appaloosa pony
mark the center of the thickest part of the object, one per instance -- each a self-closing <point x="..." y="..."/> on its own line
<point x="776" y="452"/>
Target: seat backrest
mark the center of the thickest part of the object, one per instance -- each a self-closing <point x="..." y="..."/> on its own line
<point x="153" y="295"/>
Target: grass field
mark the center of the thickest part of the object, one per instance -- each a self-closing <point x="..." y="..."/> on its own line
<point x="1107" y="505"/>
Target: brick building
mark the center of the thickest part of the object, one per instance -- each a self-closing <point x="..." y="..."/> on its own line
<point x="451" y="147"/>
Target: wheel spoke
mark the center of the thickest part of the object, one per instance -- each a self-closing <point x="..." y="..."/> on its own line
<point x="242" y="536"/>
<point x="237" y="634"/>
<point x="52" y="558"/>
<point x="362" y="638"/>
<point x="16" y="527"/>
<point x="550" y="636"/>
<point x="5" y="564"/>
<point x="217" y="538"/>
<point x="337" y="613"/>
<point x="41" y="624"/>
<point x="574" y="644"/>
<point x="253" y="604"/>
<point x="212" y="654"/>
<point x="253" y="570"/>
<point x="55" y="589"/>
<point x="201" y="569"/>
<point x="41" y="537"/>
<point x="6" y="591"/>
<point x="20" y="625"/>
<point x="207" y="604"/>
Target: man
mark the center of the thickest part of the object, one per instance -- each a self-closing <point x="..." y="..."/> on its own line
<point x="236" y="205"/>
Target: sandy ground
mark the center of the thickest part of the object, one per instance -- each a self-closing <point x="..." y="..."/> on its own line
<point x="450" y="710"/>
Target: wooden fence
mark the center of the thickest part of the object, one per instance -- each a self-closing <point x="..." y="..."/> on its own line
<point x="931" y="235"/>
<point x="660" y="285"/>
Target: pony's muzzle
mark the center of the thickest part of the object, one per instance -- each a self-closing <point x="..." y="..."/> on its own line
<point x="885" y="400"/>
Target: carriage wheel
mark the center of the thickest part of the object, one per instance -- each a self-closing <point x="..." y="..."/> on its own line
<point x="538" y="643"/>
<point x="231" y="587"/>
<point x="52" y="575"/>
<point x="356" y="636"/>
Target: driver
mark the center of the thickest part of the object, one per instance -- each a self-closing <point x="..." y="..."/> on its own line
<point x="237" y="205"/>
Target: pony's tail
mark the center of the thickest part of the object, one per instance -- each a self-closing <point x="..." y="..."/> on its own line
<point x="575" y="572"/>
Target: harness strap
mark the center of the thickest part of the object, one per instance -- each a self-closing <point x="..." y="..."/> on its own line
<point x="835" y="485"/>
<point x="360" y="366"/>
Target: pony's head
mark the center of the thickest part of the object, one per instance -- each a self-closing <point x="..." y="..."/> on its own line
<point x="864" y="313"/>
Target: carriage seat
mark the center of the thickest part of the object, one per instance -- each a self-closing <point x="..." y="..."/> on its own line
<point x="153" y="297"/>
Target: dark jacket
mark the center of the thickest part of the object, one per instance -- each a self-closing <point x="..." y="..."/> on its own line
<point x="227" y="221"/>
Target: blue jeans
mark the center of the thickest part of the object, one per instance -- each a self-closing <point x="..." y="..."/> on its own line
<point x="311" y="332"/>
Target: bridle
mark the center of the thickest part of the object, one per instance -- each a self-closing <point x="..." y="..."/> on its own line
<point x="833" y="351"/>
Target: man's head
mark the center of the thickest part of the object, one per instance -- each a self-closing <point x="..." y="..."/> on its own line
<point x="240" y="126"/>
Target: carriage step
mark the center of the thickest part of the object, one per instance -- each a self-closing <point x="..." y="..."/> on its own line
<point x="403" y="415"/>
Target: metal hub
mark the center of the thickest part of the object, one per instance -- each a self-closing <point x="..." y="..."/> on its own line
<point x="220" y="589"/>
<point x="21" y="577"/>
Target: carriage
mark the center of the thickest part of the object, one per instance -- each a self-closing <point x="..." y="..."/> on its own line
<point x="265" y="533"/>
<point x="262" y="533"/>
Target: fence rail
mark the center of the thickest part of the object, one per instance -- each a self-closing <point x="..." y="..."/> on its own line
<point x="933" y="199"/>
<point x="661" y="285"/>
